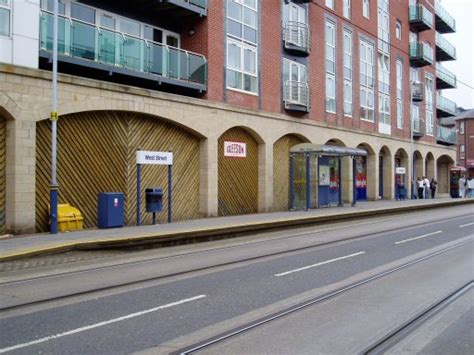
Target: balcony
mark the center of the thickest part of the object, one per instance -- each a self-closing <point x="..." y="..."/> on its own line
<point x="420" y="18"/>
<point x="421" y="54"/>
<point x="444" y="49"/>
<point x="296" y="96"/>
<point x="417" y="92"/>
<point x="418" y="128"/>
<point x="100" y="50"/>
<point x="296" y="37"/>
<point x="446" y="136"/>
<point x="445" y="107"/>
<point x="185" y="7"/>
<point x="444" y="22"/>
<point x="444" y="78"/>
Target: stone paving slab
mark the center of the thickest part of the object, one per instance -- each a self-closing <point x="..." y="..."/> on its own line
<point x="36" y="244"/>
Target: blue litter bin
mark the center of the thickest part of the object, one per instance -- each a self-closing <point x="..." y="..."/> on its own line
<point x="402" y="192"/>
<point x="110" y="209"/>
<point x="154" y="200"/>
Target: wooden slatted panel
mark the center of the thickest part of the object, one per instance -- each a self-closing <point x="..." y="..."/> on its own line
<point x="3" y="156"/>
<point x="238" y="177"/>
<point x="148" y="133"/>
<point x="281" y="168"/>
<point x="96" y="152"/>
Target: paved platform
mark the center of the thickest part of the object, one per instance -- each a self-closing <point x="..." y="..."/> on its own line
<point x="17" y="247"/>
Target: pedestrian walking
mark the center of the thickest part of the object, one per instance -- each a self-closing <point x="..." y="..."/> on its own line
<point x="421" y="188"/>
<point x="426" y="185"/>
<point x="470" y="186"/>
<point x="462" y="186"/>
<point x="433" y="184"/>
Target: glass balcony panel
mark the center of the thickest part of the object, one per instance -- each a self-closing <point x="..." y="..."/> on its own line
<point x="173" y="63"/>
<point x="183" y="66"/>
<point x="445" y="45"/>
<point x="446" y="134"/>
<point x="199" y="3"/>
<point x="157" y="59"/>
<point x="110" y="43"/>
<point x="445" y="104"/>
<point x="421" y="17"/>
<point x="446" y="76"/>
<point x="47" y="33"/>
<point x="84" y="40"/>
<point x="133" y="53"/>
<point x="197" y="68"/>
<point x="445" y="16"/>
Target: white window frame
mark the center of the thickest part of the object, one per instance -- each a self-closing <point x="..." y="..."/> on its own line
<point x="429" y="103"/>
<point x="398" y="29"/>
<point x="302" y="77"/>
<point x="461" y="127"/>
<point x="244" y="45"/>
<point x="462" y="151"/>
<point x="384" y="72"/>
<point x="346" y="8"/>
<point x="331" y="105"/>
<point x="366" y="8"/>
<point x="384" y="109"/>
<point x="367" y="85"/>
<point x="330" y="4"/>
<point x="348" y="73"/>
<point x="399" y="70"/>
<point x="8" y="9"/>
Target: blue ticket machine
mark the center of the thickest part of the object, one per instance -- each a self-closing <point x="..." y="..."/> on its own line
<point x="110" y="209"/>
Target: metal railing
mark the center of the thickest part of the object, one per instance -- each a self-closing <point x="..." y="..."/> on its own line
<point x="297" y="34"/>
<point x="86" y="41"/>
<point x="445" y="15"/>
<point x="421" y="50"/>
<point x="296" y="93"/>
<point x="446" y="134"/>
<point x="418" y="91"/>
<point x="445" y="104"/>
<point x="445" y="45"/>
<point x="418" y="125"/>
<point x="445" y="75"/>
<point x="421" y="13"/>
<point x="199" y="3"/>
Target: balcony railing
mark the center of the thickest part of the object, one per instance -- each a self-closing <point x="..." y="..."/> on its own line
<point x="446" y="135"/>
<point x="186" y="6"/>
<point x="444" y="49"/>
<point x="418" y="92"/>
<point x="444" y="78"/>
<point x="445" y="105"/>
<point x="445" y="23"/>
<point x="421" y="54"/>
<point x="114" y="49"/>
<point x="420" y="18"/>
<point x="296" y="37"/>
<point x="418" y="127"/>
<point x="296" y="95"/>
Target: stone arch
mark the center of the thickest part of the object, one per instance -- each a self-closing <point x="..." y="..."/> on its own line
<point x="418" y="165"/>
<point x="443" y="164"/>
<point x="430" y="166"/>
<point x="96" y="153"/>
<point x="281" y="168"/>
<point x="385" y="170"/>
<point x="346" y="171"/>
<point x="369" y="165"/>
<point x="402" y="159"/>
<point x="336" y="142"/>
<point x="238" y="184"/>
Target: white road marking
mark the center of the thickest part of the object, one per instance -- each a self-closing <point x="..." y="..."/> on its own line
<point x="465" y="225"/>
<point x="415" y="238"/>
<point x="100" y="324"/>
<point x="318" y="264"/>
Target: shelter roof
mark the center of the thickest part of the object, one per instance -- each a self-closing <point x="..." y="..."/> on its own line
<point x="321" y="149"/>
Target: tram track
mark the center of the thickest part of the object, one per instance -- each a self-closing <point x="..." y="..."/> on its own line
<point x="386" y="341"/>
<point x="189" y="254"/>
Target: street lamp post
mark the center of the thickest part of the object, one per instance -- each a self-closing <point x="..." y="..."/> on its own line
<point x="53" y="188"/>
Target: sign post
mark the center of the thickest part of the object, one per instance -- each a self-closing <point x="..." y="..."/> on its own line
<point x="154" y="158"/>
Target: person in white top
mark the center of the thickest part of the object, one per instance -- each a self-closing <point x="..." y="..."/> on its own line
<point x="421" y="189"/>
<point x="470" y="186"/>
<point x="462" y="186"/>
<point x="426" y="185"/>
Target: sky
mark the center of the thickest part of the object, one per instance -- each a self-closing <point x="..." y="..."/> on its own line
<point x="463" y="40"/>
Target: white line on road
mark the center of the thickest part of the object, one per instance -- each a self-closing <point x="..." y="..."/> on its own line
<point x="415" y="238"/>
<point x="465" y="225"/>
<point x="100" y="324"/>
<point x="318" y="264"/>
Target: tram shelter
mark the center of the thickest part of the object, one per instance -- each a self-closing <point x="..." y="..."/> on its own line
<point x="316" y="175"/>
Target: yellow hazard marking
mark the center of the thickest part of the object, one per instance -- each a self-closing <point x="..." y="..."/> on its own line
<point x="54" y="116"/>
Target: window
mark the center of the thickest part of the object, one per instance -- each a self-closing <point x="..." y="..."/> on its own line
<point x="347" y="89"/>
<point x="429" y="104"/>
<point x="461" y="151"/>
<point x="4" y="18"/>
<point x="296" y="25"/>
<point x="346" y="8"/>
<point x="399" y="94"/>
<point x="330" y="4"/>
<point x="330" y="67"/>
<point x="384" y="109"/>
<point x="242" y="45"/>
<point x="366" y="53"/>
<point x="384" y="73"/>
<point x="383" y="27"/>
<point x="461" y="127"/>
<point x="295" y="82"/>
<point x="366" y="8"/>
<point x="398" y="29"/>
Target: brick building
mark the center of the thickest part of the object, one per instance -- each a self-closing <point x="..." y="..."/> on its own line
<point x="465" y="140"/>
<point x="189" y="76"/>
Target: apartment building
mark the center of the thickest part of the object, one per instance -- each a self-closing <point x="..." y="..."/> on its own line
<point x="229" y="86"/>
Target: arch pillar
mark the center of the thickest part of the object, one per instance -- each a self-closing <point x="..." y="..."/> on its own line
<point x="372" y="176"/>
<point x="347" y="179"/>
<point x="265" y="177"/>
<point x="20" y="176"/>
<point x="208" y="177"/>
